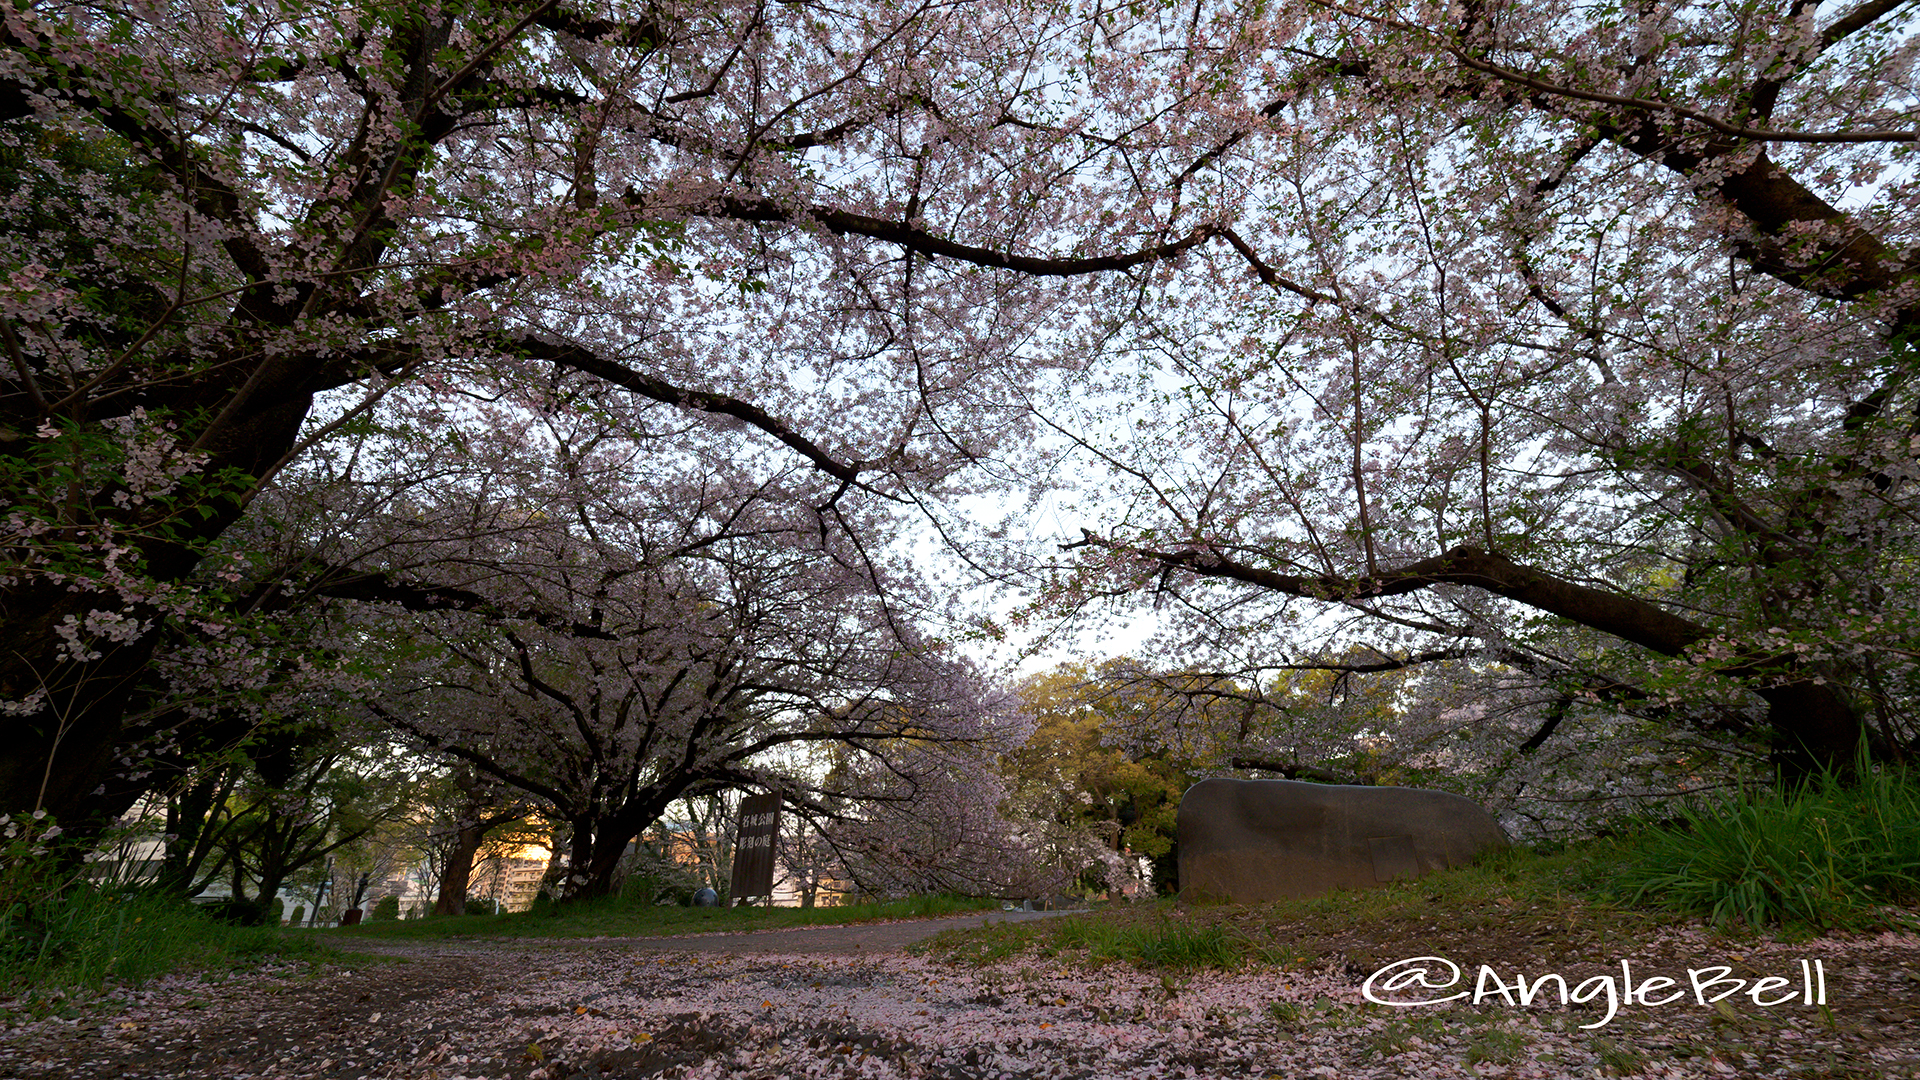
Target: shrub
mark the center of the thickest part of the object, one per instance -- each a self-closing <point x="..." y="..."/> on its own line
<point x="1827" y="854"/>
<point x="387" y="909"/>
<point x="238" y="912"/>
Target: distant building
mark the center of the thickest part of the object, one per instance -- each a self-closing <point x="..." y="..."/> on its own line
<point x="511" y="880"/>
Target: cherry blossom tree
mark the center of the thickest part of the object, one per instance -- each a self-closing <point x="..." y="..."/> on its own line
<point x="775" y="218"/>
<point x="609" y="623"/>
<point x="1567" y="345"/>
<point x="1558" y="361"/>
<point x="938" y="819"/>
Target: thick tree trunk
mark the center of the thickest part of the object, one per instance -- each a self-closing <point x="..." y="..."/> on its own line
<point x="592" y="863"/>
<point x="58" y="757"/>
<point x="594" y="856"/>
<point x="459" y="870"/>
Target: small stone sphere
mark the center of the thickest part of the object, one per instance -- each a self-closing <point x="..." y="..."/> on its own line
<point x="706" y="898"/>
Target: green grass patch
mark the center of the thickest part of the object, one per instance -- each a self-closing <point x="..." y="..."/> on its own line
<point x="78" y="943"/>
<point x="1166" y="944"/>
<point x="1825" y="855"/>
<point x="1496" y="1045"/>
<point x="614" y="917"/>
<point x="978" y="946"/>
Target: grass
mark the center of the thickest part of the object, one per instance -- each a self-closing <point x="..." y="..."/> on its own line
<point x="1618" y="1059"/>
<point x="1496" y="1046"/>
<point x="69" y="948"/>
<point x="613" y="917"/>
<point x="1166" y="945"/>
<point x="1826" y="855"/>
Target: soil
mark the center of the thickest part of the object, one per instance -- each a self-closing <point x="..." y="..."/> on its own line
<point x="847" y="1001"/>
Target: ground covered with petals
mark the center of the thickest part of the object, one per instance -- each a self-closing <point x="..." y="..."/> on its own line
<point x="560" y="1011"/>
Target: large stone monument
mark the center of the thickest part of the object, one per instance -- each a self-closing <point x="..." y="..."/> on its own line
<point x="1251" y="841"/>
<point x="753" y="847"/>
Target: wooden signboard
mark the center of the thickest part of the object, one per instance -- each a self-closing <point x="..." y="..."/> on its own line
<point x="753" y="846"/>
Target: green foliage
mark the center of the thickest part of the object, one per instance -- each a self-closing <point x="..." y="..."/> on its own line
<point x="653" y="873"/>
<point x="387" y="909"/>
<point x="85" y="938"/>
<point x="1826" y="854"/>
<point x="29" y="874"/>
<point x="1067" y="774"/>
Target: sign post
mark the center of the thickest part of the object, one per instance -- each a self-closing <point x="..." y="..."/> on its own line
<point x="753" y="846"/>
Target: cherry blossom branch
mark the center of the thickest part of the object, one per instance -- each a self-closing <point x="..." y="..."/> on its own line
<point x="1628" y="101"/>
<point x="1626" y="617"/>
<point x="485" y="54"/>
<point x="375" y="588"/>
<point x="655" y="389"/>
<point x="1657" y="107"/>
<point x="914" y="238"/>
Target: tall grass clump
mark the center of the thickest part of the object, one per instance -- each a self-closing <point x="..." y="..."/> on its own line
<point x="84" y="939"/>
<point x="1165" y="945"/>
<point x="1828" y="854"/>
<point x="63" y="935"/>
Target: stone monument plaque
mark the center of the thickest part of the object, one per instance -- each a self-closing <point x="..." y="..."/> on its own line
<point x="753" y="846"/>
<point x="1252" y="841"/>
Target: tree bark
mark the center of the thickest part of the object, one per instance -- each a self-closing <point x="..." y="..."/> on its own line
<point x="459" y="871"/>
<point x="57" y="757"/>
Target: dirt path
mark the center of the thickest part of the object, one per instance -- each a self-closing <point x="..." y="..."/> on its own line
<point x="845" y="1002"/>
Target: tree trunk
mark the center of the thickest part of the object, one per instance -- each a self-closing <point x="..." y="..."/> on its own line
<point x="58" y="757"/>
<point x="360" y="887"/>
<point x="459" y="871"/>
<point x="1814" y="730"/>
<point x="194" y="835"/>
<point x="589" y="871"/>
<point x="594" y="857"/>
